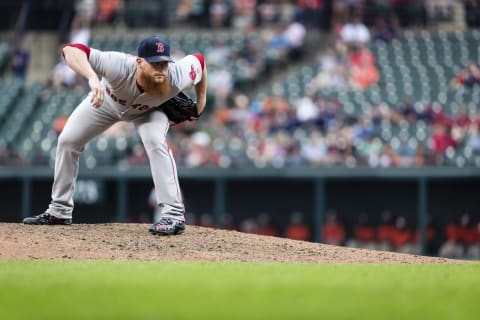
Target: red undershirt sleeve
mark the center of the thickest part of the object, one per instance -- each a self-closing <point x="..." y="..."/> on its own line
<point x="200" y="58"/>
<point x="80" y="46"/>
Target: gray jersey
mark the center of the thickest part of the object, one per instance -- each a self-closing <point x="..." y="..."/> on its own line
<point x="118" y="71"/>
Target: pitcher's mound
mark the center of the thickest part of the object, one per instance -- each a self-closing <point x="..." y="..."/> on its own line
<point x="132" y="241"/>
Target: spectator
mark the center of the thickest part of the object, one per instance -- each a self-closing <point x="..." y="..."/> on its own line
<point x="408" y="112"/>
<point x="333" y="231"/>
<point x="363" y="75"/>
<point x="371" y="150"/>
<point x="473" y="138"/>
<point x="473" y="251"/>
<point x="314" y="150"/>
<point x="460" y="124"/>
<point x="295" y="36"/>
<point x="287" y="44"/>
<point x="388" y="157"/>
<point x="84" y="12"/>
<point x="229" y="222"/>
<point x="420" y="156"/>
<point x="466" y="77"/>
<point x="311" y="13"/>
<point x="405" y="152"/>
<point x="462" y="119"/>
<point x="355" y="33"/>
<point x="183" y="11"/>
<point x="363" y="234"/>
<point x="455" y="232"/>
<point x="108" y="11"/>
<point x="62" y="76"/>
<point x="219" y="54"/>
<point x="442" y="139"/>
<point x="206" y="220"/>
<point x="297" y="229"/>
<point x="219" y="13"/>
<point x="332" y="74"/>
<point x="20" y="60"/>
<point x="438" y="115"/>
<point x="383" y="30"/>
<point x="220" y="82"/>
<point x="363" y="71"/>
<point x="385" y="231"/>
<point x="402" y="236"/>
<point x="199" y="154"/>
<point x="472" y="13"/>
<point x="467" y="232"/>
<point x="340" y="12"/>
<point x="8" y="156"/>
<point x="248" y="225"/>
<point x="265" y="226"/>
<point x="80" y="32"/>
<point x="245" y="17"/>
<point x="268" y="13"/>
<point x="59" y="123"/>
<point x="431" y="238"/>
<point x="439" y="10"/>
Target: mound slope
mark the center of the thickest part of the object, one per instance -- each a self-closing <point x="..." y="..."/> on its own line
<point x="132" y="241"/>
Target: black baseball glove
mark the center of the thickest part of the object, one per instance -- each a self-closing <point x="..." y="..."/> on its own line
<point x="180" y="108"/>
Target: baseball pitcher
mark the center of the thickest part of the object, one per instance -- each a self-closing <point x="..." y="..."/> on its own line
<point x="144" y="89"/>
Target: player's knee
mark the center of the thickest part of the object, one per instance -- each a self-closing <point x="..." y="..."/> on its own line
<point x="68" y="142"/>
<point x="155" y="143"/>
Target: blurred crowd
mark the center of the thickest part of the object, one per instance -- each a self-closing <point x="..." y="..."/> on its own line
<point x="468" y="77"/>
<point x="253" y="13"/>
<point x="315" y="132"/>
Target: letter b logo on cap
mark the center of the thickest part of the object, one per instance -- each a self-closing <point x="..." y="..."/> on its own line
<point x="160" y="47"/>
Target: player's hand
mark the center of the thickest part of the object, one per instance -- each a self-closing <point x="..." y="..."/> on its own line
<point x="97" y="91"/>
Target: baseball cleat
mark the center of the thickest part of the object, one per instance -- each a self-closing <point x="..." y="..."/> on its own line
<point x="167" y="227"/>
<point x="46" y="218"/>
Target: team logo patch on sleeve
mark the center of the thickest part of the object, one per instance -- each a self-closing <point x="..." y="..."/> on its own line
<point x="193" y="73"/>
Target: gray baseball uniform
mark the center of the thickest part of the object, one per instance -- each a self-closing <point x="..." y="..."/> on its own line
<point x="124" y="101"/>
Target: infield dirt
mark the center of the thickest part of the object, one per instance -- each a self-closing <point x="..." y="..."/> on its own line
<point x="133" y="242"/>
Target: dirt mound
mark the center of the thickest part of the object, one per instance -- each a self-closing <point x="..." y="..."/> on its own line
<point x="132" y="241"/>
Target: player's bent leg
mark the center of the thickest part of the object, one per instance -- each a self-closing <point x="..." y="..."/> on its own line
<point x="83" y="125"/>
<point x="152" y="129"/>
<point x="66" y="171"/>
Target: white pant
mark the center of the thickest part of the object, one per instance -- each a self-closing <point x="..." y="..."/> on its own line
<point x="87" y="122"/>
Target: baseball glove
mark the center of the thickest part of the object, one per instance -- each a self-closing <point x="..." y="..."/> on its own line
<point x="180" y="108"/>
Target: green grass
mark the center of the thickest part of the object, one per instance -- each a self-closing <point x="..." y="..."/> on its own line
<point x="167" y="290"/>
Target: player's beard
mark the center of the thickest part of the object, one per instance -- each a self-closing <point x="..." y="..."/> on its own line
<point x="154" y="86"/>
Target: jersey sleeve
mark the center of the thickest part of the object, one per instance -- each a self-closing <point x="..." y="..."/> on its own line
<point x="187" y="71"/>
<point x="111" y="65"/>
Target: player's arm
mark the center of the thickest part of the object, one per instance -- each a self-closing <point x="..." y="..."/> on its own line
<point x="76" y="57"/>
<point x="201" y="87"/>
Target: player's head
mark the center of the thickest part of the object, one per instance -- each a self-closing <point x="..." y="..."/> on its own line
<point x="153" y="49"/>
<point x="152" y="65"/>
